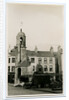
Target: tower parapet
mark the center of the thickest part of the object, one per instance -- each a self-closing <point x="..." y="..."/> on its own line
<point x="21" y="39"/>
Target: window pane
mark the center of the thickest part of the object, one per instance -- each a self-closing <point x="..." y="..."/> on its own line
<point x="8" y="68"/>
<point x="13" y="68"/>
<point x="8" y="60"/>
<point x="45" y="60"/>
<point x="32" y="60"/>
<point x="45" y="68"/>
<point x="51" y="68"/>
<point x="50" y="60"/>
<point x="39" y="60"/>
<point x="33" y="68"/>
<point x="13" y="60"/>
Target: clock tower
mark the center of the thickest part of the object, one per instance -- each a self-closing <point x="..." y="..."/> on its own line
<point x="21" y="44"/>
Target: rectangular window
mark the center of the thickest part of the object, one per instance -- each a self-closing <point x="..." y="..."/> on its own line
<point x="13" y="68"/>
<point x="13" y="60"/>
<point x="51" y="60"/>
<point x="39" y="60"/>
<point x="45" y="60"/>
<point x="51" y="68"/>
<point x="8" y="68"/>
<point x="8" y="60"/>
<point x="45" y="68"/>
<point x="33" y="68"/>
<point x="32" y="60"/>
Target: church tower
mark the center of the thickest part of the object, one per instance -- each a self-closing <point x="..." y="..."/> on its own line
<point x="21" y="44"/>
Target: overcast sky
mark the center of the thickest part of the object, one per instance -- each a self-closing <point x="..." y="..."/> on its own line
<point x="43" y="25"/>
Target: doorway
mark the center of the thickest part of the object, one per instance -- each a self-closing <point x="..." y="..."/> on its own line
<point x="19" y="72"/>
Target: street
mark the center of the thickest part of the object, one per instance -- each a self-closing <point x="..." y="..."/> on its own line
<point x="22" y="91"/>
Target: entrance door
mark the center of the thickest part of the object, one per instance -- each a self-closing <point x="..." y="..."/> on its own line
<point x="19" y="72"/>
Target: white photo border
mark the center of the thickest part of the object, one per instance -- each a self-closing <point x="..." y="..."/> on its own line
<point x="4" y="38"/>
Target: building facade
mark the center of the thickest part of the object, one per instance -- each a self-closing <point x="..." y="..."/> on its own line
<point x="27" y="62"/>
<point x="11" y="63"/>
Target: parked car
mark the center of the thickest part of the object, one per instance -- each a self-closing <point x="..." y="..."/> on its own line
<point x="56" y="85"/>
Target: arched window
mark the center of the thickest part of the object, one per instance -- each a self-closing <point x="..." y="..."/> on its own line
<point x="21" y="40"/>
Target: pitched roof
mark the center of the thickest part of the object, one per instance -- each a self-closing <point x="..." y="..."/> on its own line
<point x="25" y="63"/>
<point x="14" y="52"/>
<point x="40" y="53"/>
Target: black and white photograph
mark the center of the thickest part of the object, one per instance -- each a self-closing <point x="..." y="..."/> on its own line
<point x="35" y="49"/>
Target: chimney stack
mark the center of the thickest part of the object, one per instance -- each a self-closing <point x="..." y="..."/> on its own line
<point x="60" y="50"/>
<point x="51" y="50"/>
<point x="59" y="56"/>
<point x="36" y="49"/>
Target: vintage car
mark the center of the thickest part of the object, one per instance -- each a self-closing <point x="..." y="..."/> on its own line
<point x="56" y="85"/>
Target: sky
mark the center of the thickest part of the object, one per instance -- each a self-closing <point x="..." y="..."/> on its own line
<point x="43" y="25"/>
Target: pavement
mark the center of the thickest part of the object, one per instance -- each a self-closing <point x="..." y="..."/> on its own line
<point x="22" y="91"/>
<point x="49" y="90"/>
